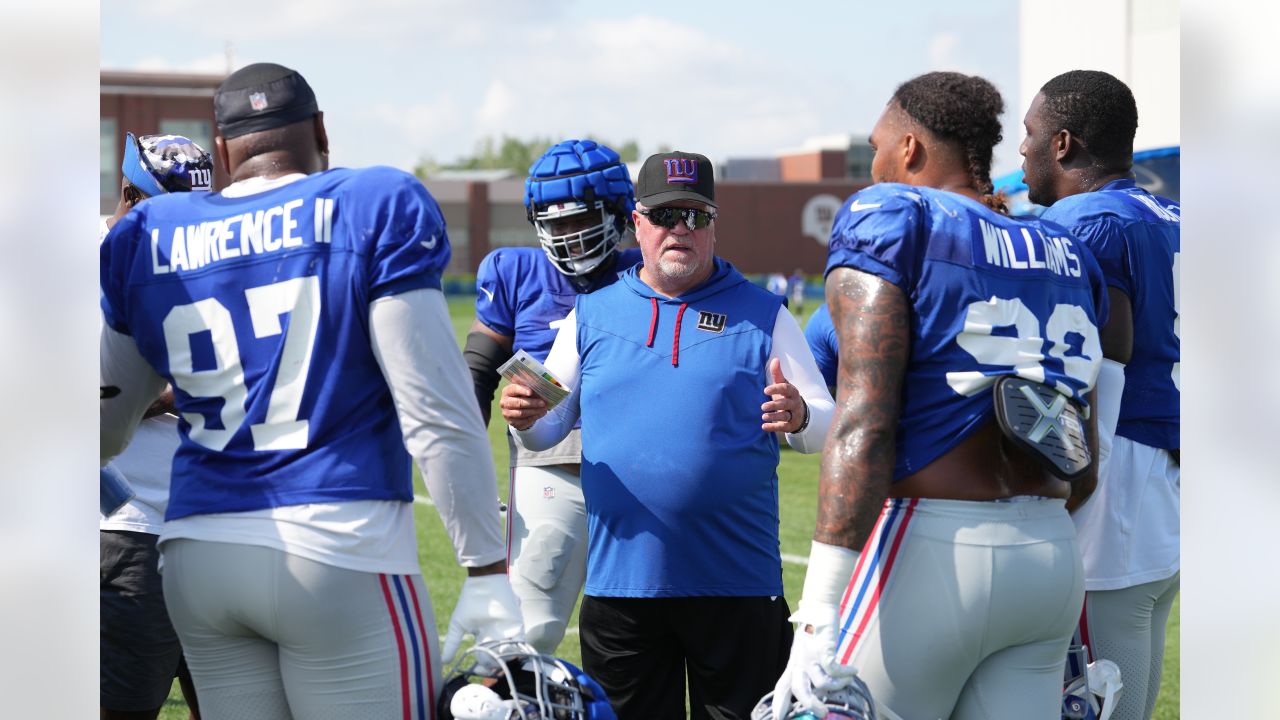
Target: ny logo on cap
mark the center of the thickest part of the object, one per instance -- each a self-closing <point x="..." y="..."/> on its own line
<point x="258" y="101"/>
<point x="682" y="170"/>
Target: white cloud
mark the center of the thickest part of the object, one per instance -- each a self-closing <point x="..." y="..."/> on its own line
<point x="500" y="104"/>
<point x="942" y="49"/>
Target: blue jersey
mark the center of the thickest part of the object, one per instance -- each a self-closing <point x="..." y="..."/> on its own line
<point x="989" y="296"/>
<point x="256" y="309"/>
<point x="521" y="295"/>
<point x="821" y="336"/>
<point x="1136" y="238"/>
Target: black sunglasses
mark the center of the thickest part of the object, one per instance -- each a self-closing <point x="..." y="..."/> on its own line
<point x="666" y="217"/>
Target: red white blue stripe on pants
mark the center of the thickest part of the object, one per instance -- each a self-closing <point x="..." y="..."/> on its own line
<point x="413" y="649"/>
<point x="861" y="600"/>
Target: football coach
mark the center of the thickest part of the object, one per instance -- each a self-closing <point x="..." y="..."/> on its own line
<point x="681" y="373"/>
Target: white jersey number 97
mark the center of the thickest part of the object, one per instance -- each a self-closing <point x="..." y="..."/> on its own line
<point x="281" y="429"/>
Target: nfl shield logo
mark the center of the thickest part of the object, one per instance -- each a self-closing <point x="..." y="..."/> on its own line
<point x="548" y="492"/>
<point x="258" y="101"/>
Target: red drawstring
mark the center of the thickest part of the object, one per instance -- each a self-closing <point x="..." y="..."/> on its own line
<point x="653" y="322"/>
<point x="675" y="344"/>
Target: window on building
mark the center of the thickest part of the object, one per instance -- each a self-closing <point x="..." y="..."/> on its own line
<point x="198" y="130"/>
<point x="109" y="157"/>
<point x="859" y="161"/>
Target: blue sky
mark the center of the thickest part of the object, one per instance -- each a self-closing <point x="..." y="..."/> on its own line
<point x="399" y="80"/>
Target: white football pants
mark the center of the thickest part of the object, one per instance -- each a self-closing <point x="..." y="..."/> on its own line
<point x="273" y="636"/>
<point x="547" y="550"/>
<point x="1126" y="626"/>
<point x="964" y="610"/>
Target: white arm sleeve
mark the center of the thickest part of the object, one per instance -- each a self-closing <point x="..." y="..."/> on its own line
<point x="1110" y="387"/>
<point x="564" y="363"/>
<point x="801" y="370"/>
<point x="413" y="341"/>
<point x="122" y="366"/>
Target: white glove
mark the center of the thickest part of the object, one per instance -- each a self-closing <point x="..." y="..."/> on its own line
<point x="488" y="610"/>
<point x="812" y="665"/>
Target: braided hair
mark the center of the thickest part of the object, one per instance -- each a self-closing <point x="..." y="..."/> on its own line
<point x="1098" y="109"/>
<point x="961" y="110"/>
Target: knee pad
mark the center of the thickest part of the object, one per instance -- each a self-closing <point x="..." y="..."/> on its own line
<point x="545" y="554"/>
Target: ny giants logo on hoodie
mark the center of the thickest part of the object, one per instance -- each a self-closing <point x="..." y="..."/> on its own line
<point x="711" y="322"/>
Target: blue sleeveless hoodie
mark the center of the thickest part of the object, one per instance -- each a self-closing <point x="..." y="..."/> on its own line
<point x="680" y="481"/>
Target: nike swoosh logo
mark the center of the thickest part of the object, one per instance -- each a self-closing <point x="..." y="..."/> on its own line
<point x="855" y="206"/>
<point x="487" y="291"/>
<point x="431" y="244"/>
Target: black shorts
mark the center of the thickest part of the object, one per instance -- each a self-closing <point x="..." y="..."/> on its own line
<point x="638" y="649"/>
<point x="139" y="651"/>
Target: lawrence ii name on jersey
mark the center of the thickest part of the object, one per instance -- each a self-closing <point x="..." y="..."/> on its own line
<point x="253" y="308"/>
<point x="990" y="296"/>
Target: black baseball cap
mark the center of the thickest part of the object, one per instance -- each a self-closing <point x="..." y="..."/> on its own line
<point x="667" y="177"/>
<point x="260" y="97"/>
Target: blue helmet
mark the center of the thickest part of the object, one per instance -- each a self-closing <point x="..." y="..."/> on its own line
<point x="159" y="164"/>
<point x="579" y="198"/>
<point x="512" y="681"/>
<point x="851" y="701"/>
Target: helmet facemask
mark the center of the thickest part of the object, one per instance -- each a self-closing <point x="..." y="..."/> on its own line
<point x="579" y="198"/>
<point x="504" y="680"/>
<point x="576" y="236"/>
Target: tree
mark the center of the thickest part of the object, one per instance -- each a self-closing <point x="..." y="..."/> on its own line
<point x="513" y="154"/>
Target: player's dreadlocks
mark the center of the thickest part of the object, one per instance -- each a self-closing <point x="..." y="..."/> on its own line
<point x="963" y="110"/>
<point x="1099" y="110"/>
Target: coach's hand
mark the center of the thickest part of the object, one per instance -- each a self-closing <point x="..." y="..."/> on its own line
<point x="812" y="670"/>
<point x="785" y="411"/>
<point x="521" y="408"/>
<point x="488" y="610"/>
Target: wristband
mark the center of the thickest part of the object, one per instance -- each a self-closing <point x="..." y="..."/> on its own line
<point x="804" y="423"/>
<point x="830" y="570"/>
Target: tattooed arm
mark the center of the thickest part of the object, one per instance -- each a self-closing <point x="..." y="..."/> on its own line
<point x="872" y="318"/>
<point x="873" y="324"/>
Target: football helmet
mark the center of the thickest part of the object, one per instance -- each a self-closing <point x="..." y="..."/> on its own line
<point x="851" y="700"/>
<point x="159" y="164"/>
<point x="512" y="681"/>
<point x="1090" y="689"/>
<point x="579" y="198"/>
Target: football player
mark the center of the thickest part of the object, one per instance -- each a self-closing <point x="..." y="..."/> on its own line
<point x="579" y="199"/>
<point x="1079" y="155"/>
<point x="298" y="315"/>
<point x="139" y="653"/>
<point x="944" y="568"/>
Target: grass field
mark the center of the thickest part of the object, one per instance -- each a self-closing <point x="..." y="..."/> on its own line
<point x="798" y="483"/>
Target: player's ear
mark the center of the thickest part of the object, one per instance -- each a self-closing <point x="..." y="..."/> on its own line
<point x="1064" y="145"/>
<point x="221" y="155"/>
<point x="322" y="137"/>
<point x="912" y="152"/>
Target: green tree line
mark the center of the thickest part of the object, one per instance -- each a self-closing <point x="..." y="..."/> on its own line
<point x="516" y="155"/>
